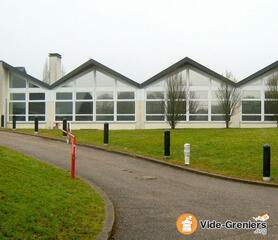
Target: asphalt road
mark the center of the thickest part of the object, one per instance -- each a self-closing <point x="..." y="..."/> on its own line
<point x="148" y="197"/>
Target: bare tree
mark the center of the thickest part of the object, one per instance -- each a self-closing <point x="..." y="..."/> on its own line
<point x="45" y="73"/>
<point x="271" y="96"/>
<point x="228" y="98"/>
<point x="176" y="95"/>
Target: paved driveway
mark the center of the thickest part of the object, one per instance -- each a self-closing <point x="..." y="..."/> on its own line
<point x="149" y="197"/>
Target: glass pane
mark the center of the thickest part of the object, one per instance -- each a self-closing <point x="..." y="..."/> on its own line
<point x="251" y="107"/>
<point x="271" y="107"/>
<point x="18" y="118"/>
<point x="217" y="118"/>
<point x="68" y="85"/>
<point x="83" y="118"/>
<point x="251" y="118"/>
<point x="156" y="107"/>
<point x="36" y="96"/>
<point x="17" y="96"/>
<point x="36" y="108"/>
<point x="216" y="108"/>
<point x="105" y="118"/>
<point x="198" y="118"/>
<point x="125" y="107"/>
<point x="31" y="85"/>
<point x="103" y="80"/>
<point x="17" y="108"/>
<point x="197" y="79"/>
<point x="176" y="107"/>
<point x="198" y="107"/>
<point x="64" y="96"/>
<point x="271" y="94"/>
<point x="32" y="118"/>
<point x="216" y="83"/>
<point x="199" y="94"/>
<point x="155" y="118"/>
<point x="125" y="95"/>
<point x="125" y="118"/>
<point x="181" y="118"/>
<point x="86" y="80"/>
<point x="105" y="107"/>
<point x="84" y="107"/>
<point x="61" y="118"/>
<point x="270" y="118"/>
<point x="17" y="81"/>
<point x="105" y="95"/>
<point x="155" y="95"/>
<point x="63" y="107"/>
<point x="255" y="83"/>
<point x="250" y="94"/>
<point x="83" y="95"/>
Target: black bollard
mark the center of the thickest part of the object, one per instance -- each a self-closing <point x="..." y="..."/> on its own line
<point x="36" y="125"/>
<point x="65" y="127"/>
<point x="106" y="134"/>
<point x="166" y="144"/>
<point x="2" y="121"/>
<point x="266" y="163"/>
<point x="14" y="122"/>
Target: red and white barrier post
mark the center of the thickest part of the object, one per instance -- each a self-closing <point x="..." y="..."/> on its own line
<point x="73" y="152"/>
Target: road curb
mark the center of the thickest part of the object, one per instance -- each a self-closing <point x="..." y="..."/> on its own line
<point x="150" y="159"/>
<point x="109" y="219"/>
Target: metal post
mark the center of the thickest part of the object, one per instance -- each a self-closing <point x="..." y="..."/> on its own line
<point x="14" y="122"/>
<point x="36" y="125"/>
<point x="106" y="134"/>
<point x="65" y="127"/>
<point x="166" y="144"/>
<point x="266" y="162"/>
<point x="2" y="121"/>
<point x="186" y="154"/>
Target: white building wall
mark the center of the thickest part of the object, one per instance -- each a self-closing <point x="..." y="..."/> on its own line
<point x="141" y="121"/>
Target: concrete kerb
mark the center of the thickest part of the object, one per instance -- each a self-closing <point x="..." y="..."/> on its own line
<point x="109" y="219"/>
<point x="176" y="166"/>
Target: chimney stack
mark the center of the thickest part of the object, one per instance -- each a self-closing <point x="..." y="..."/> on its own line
<point x="55" y="67"/>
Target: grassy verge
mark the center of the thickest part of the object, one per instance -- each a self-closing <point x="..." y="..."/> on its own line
<point x="231" y="152"/>
<point x="39" y="201"/>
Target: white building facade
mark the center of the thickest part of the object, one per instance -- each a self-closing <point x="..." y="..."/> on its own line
<point x="93" y="94"/>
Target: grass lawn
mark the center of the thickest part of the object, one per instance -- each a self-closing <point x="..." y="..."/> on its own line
<point x="39" y="201"/>
<point x="231" y="152"/>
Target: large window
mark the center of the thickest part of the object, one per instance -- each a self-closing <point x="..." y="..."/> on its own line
<point x="125" y="106"/>
<point x="155" y="106"/>
<point x="216" y="110"/>
<point x="17" y="81"/>
<point x="197" y="79"/>
<point x="36" y="106"/>
<point x="64" y="106"/>
<point x="105" y="106"/>
<point x="84" y="106"/>
<point x="251" y="105"/>
<point x="198" y="105"/>
<point x="17" y="106"/>
<point x="270" y="107"/>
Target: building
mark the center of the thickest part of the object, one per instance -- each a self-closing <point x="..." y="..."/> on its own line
<point x="93" y="94"/>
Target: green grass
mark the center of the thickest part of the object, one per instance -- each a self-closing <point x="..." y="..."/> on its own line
<point x="39" y="201"/>
<point x="231" y="152"/>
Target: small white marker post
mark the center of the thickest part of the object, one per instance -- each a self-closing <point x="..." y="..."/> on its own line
<point x="186" y="154"/>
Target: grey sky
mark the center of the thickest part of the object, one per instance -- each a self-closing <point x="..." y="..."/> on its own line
<point x="140" y="38"/>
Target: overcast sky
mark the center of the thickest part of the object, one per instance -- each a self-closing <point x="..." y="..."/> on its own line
<point x="140" y="38"/>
